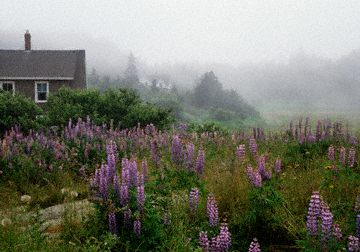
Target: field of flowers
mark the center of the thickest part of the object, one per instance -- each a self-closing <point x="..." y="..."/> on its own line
<point x="186" y="190"/>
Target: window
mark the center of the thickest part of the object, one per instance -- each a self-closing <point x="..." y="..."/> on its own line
<point x="8" y="86"/>
<point x="41" y="91"/>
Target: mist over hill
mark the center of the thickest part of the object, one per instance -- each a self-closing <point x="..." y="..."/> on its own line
<point x="301" y="81"/>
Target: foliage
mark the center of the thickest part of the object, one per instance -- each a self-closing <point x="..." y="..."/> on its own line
<point x="18" y="110"/>
<point x="120" y="106"/>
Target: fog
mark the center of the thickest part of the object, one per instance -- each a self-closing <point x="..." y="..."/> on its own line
<point x="272" y="53"/>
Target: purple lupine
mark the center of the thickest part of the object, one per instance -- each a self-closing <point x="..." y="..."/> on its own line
<point x="124" y="194"/>
<point x="357" y="204"/>
<point x="358" y="225"/>
<point x="261" y="166"/>
<point x="331" y="154"/>
<point x="241" y="152"/>
<point x="112" y="223"/>
<point x="193" y="199"/>
<point x="144" y="170"/>
<point x="351" y="158"/>
<point x="137" y="227"/>
<point x="313" y="213"/>
<point x="326" y="224"/>
<point x="204" y="241"/>
<point x="189" y="158"/>
<point x="167" y="220"/>
<point x="177" y="152"/>
<point x="254" y="246"/>
<point x="212" y="211"/>
<point x="117" y="188"/>
<point x="291" y="128"/>
<point x="249" y="173"/>
<point x="127" y="218"/>
<point x="200" y="164"/>
<point x="278" y="167"/>
<point x="253" y="147"/>
<point x="140" y="200"/>
<point x="337" y="232"/>
<point x="342" y="155"/>
<point x="155" y="153"/>
<point x="256" y="179"/>
<point x="353" y="243"/>
<point x="224" y="240"/>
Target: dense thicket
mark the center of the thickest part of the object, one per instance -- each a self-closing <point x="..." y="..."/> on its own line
<point x="121" y="105"/>
<point x="15" y="109"/>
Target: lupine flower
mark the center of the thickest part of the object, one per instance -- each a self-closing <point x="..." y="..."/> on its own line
<point x="167" y="220"/>
<point x="212" y="211"/>
<point x="253" y="147"/>
<point x="137" y="227"/>
<point x="241" y="152"/>
<point x="278" y="167"/>
<point x="331" y="154"/>
<point x="261" y="165"/>
<point x="353" y="243"/>
<point x="177" y="152"/>
<point x="189" y="158"/>
<point x="140" y="200"/>
<point x="193" y="199"/>
<point x="249" y="173"/>
<point x="351" y="158"/>
<point x="337" y="232"/>
<point x="144" y="170"/>
<point x="357" y="204"/>
<point x="127" y="218"/>
<point x="224" y="238"/>
<point x="327" y="219"/>
<point x="313" y="213"/>
<point x="200" y="164"/>
<point x="342" y="155"/>
<point x="124" y="195"/>
<point x="358" y="225"/>
<point x="254" y="246"/>
<point x="291" y="128"/>
<point x="256" y="179"/>
<point x="154" y="153"/>
<point x="204" y="241"/>
<point x="112" y="223"/>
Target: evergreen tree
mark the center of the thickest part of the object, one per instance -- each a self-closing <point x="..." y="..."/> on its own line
<point x="207" y="91"/>
<point x="131" y="75"/>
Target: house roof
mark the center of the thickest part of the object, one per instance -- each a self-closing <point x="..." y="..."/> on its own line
<point x="40" y="64"/>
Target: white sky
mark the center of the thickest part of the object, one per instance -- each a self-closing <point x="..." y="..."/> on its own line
<point x="181" y="31"/>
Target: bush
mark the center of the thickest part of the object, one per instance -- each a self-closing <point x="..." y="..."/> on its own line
<point x="18" y="110"/>
<point x="122" y="106"/>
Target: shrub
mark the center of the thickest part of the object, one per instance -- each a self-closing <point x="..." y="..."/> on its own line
<point x="122" y="106"/>
<point x="18" y="110"/>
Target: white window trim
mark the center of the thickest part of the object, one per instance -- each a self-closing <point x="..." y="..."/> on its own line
<point x="36" y="93"/>
<point x="12" y="82"/>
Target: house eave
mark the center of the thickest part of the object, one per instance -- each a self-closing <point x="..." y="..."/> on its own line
<point x="35" y="78"/>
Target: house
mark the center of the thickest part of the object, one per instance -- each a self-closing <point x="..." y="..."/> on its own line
<point x="36" y="73"/>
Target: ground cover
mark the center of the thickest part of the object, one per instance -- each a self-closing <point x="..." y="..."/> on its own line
<point x="294" y="187"/>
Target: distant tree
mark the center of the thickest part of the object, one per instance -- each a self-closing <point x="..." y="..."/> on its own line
<point x="93" y="79"/>
<point x="207" y="91"/>
<point x="131" y="78"/>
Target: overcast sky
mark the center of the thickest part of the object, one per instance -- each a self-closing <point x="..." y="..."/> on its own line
<point x="180" y="31"/>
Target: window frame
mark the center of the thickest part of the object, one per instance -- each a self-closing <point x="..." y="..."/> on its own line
<point x="8" y="82"/>
<point x="36" y="92"/>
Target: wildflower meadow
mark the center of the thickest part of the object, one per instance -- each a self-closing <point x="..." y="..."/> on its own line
<point x="184" y="188"/>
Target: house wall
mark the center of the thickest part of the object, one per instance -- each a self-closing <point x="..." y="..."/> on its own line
<point x="80" y="73"/>
<point x="27" y="87"/>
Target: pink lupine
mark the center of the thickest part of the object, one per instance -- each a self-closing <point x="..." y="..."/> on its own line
<point x="342" y="155"/>
<point x="331" y="154"/>
<point x="351" y="158"/>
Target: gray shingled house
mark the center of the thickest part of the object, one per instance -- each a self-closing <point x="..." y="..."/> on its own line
<point x="35" y="73"/>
